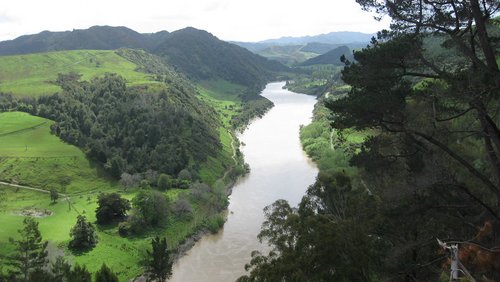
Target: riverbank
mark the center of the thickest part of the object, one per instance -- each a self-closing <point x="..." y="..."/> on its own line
<point x="279" y="168"/>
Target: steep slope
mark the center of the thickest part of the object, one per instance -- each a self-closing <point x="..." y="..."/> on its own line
<point x="94" y="38"/>
<point x="331" y="57"/>
<point x="202" y="56"/>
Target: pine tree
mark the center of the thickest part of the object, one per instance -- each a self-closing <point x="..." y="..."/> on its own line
<point x="31" y="251"/>
<point x="105" y="274"/>
<point x="160" y="264"/>
<point x="83" y="234"/>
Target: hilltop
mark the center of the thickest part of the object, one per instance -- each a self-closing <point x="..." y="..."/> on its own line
<point x="203" y="56"/>
<point x="196" y="53"/>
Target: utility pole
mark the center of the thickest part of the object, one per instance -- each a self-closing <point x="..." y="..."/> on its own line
<point x="456" y="267"/>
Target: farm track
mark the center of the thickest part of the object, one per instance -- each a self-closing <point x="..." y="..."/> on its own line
<point x="29" y="188"/>
<point x="22" y="130"/>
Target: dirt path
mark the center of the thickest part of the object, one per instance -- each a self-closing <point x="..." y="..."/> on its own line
<point x="30" y="188"/>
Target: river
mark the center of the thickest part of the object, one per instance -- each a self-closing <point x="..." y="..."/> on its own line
<point x="279" y="170"/>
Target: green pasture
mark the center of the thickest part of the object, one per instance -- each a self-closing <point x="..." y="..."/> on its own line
<point x="123" y="255"/>
<point x="31" y="155"/>
<point x="33" y="74"/>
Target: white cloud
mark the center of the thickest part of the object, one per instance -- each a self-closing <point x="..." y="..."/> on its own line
<point x="229" y="20"/>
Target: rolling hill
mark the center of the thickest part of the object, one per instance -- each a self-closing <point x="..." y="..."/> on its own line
<point x="331" y="57"/>
<point x="34" y="74"/>
<point x="196" y="53"/>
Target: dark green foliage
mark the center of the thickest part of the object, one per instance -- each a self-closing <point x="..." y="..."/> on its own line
<point x="330" y="57"/>
<point x="159" y="263"/>
<point x="105" y="274"/>
<point x="94" y="38"/>
<point x="111" y="207"/>
<point x="323" y="240"/>
<point x="429" y="170"/>
<point x="83" y="235"/>
<point x="62" y="271"/>
<point x="30" y="251"/>
<point x="185" y="175"/>
<point x="151" y="206"/>
<point x="131" y="131"/>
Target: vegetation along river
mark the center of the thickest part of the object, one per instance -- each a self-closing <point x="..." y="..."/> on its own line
<point x="279" y="170"/>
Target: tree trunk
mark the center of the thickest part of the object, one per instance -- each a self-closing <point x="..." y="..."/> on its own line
<point x="482" y="33"/>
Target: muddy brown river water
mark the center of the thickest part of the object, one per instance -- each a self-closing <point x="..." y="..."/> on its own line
<point x="279" y="170"/>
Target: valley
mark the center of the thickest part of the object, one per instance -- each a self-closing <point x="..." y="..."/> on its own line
<point x="177" y="156"/>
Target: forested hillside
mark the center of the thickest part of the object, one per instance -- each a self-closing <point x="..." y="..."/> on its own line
<point x="94" y="38"/>
<point x="413" y="156"/>
<point x="202" y="56"/>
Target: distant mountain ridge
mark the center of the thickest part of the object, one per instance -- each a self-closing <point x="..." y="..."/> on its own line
<point x="94" y="38"/>
<point x="293" y="51"/>
<point x="337" y="37"/>
<point x="325" y="42"/>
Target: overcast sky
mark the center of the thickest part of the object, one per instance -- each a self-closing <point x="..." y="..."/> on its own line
<point x="241" y="20"/>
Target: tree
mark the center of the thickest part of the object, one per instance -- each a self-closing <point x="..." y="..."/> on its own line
<point x="54" y="195"/>
<point x="164" y="182"/>
<point x="159" y="263"/>
<point x="130" y="180"/>
<point x="182" y="208"/>
<point x="429" y="87"/>
<point x="105" y="274"/>
<point x="83" y="235"/>
<point x="185" y="175"/>
<point x="31" y="254"/>
<point x="62" y="271"/>
<point x="152" y="206"/>
<point x="111" y="207"/>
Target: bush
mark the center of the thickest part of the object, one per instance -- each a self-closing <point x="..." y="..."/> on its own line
<point x="124" y="228"/>
<point x="182" y="209"/>
<point x="215" y="223"/>
<point x="199" y="192"/>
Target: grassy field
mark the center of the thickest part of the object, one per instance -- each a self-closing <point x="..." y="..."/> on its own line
<point x="33" y="74"/>
<point x="31" y="155"/>
<point x="123" y="255"/>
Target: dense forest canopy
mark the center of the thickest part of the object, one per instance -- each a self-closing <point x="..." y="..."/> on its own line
<point x="132" y="129"/>
<point x="432" y="170"/>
